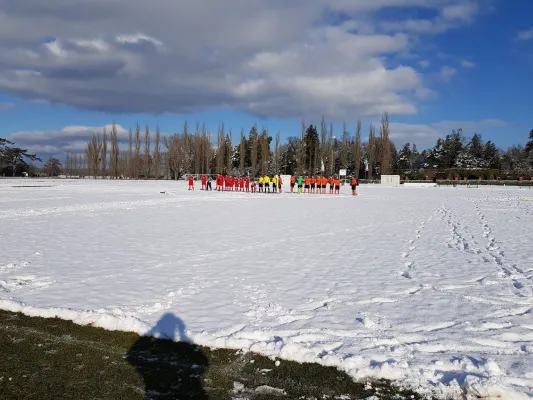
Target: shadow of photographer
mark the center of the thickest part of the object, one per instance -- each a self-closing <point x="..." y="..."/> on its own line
<point x="170" y="364"/>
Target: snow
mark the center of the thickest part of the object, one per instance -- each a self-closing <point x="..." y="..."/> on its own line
<point x="431" y="287"/>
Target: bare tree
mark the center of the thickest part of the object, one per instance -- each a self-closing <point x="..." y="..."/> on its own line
<point x="345" y="146"/>
<point x="131" y="167"/>
<point x="123" y="160"/>
<point x="147" y="158"/>
<point x="276" y="154"/>
<point x="229" y="152"/>
<point x="206" y="150"/>
<point x="157" y="153"/>
<point x="93" y="153"/>
<point x="220" y="156"/>
<point x="80" y="165"/>
<point x="242" y="153"/>
<point x="386" y="151"/>
<point x="137" y="156"/>
<point x="52" y="167"/>
<point x="115" y="153"/>
<point x="173" y="158"/>
<point x="198" y="162"/>
<point x="357" y="149"/>
<point x="324" y="149"/>
<point x="265" y="152"/>
<point x="187" y="150"/>
<point x="68" y="164"/>
<point x="254" y="138"/>
<point x="371" y="152"/>
<point x="104" y="154"/>
<point x="331" y="158"/>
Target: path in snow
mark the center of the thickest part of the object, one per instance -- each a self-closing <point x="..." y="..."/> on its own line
<point x="433" y="287"/>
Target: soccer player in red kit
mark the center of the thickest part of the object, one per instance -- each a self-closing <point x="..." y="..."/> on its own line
<point x="204" y="182"/>
<point x="242" y="184"/>
<point x="191" y="182"/>
<point x="247" y="183"/>
<point x="226" y="182"/>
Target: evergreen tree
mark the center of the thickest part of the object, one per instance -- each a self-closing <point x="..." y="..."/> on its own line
<point x="312" y="142"/>
<point x="405" y="157"/>
<point x="476" y="147"/>
<point x="252" y="155"/>
<point x="445" y="153"/>
<point x="529" y="144"/>
<point x="491" y="156"/>
<point x="14" y="157"/>
<point x="417" y="159"/>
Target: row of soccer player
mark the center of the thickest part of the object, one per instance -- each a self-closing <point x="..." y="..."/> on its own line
<point x="318" y="184"/>
<point x="239" y="184"/>
<point x="307" y="184"/>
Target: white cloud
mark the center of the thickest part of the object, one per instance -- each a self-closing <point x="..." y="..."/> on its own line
<point x="467" y="64"/>
<point x="463" y="11"/>
<point x="452" y="14"/>
<point x="525" y="35"/>
<point x="56" y="143"/>
<point x="424" y="63"/>
<point x="447" y="73"/>
<point x="426" y="94"/>
<point x="6" y="106"/>
<point x="416" y="26"/>
<point x="267" y="57"/>
<point x="425" y="135"/>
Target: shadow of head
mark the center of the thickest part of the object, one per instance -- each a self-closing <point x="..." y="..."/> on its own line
<point x="169" y="327"/>
<point x="170" y="365"/>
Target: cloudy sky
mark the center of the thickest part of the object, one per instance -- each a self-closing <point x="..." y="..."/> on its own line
<point x="70" y="67"/>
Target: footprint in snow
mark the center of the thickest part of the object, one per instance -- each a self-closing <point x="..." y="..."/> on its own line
<point x="407" y="275"/>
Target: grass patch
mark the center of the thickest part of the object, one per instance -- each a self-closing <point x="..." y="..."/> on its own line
<point x="56" y="359"/>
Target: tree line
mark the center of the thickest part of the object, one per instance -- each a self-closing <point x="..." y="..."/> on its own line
<point x="257" y="152"/>
<point x="316" y="150"/>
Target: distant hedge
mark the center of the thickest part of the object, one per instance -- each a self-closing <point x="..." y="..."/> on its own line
<point x="485" y="183"/>
<point x="472" y="182"/>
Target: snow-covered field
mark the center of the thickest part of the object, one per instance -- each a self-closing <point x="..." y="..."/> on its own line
<point x="430" y="286"/>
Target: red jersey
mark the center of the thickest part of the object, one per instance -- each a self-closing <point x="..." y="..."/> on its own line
<point x="191" y="180"/>
<point x="242" y="182"/>
<point x="247" y="182"/>
<point x="204" y="179"/>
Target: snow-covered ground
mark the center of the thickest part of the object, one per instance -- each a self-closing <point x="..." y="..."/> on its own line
<point x="430" y="286"/>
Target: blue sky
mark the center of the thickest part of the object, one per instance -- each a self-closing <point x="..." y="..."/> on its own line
<point x="435" y="66"/>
